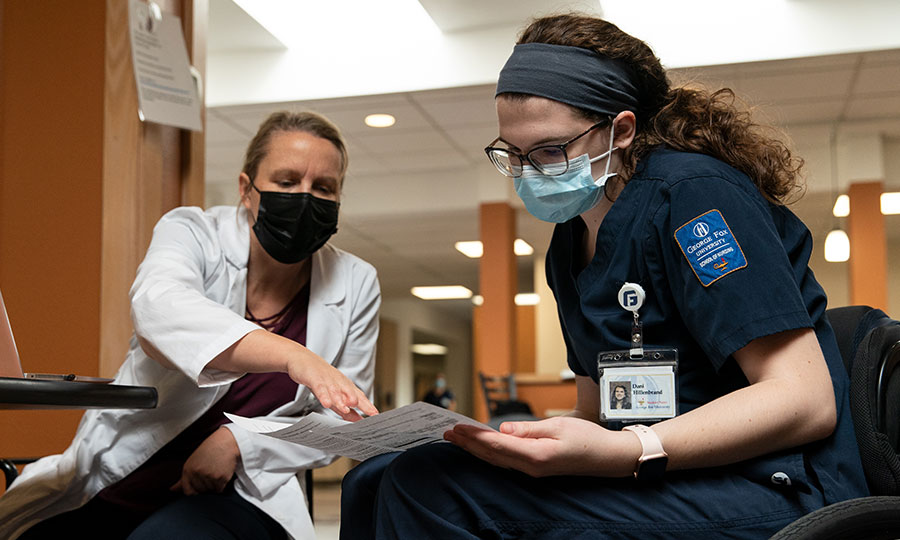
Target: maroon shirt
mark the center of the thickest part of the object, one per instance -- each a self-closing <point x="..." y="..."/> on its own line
<point x="146" y="489"/>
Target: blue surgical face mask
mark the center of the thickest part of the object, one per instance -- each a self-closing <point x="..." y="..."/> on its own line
<point x="558" y="199"/>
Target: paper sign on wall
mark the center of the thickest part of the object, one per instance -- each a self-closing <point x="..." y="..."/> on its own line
<point x="166" y="91"/>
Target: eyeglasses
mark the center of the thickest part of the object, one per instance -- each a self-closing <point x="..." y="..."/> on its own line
<point x="551" y="159"/>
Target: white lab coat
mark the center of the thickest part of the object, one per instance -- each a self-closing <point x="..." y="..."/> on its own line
<point x="188" y="302"/>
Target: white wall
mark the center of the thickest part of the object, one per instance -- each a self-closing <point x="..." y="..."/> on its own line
<point x="455" y="333"/>
<point x="550" y="356"/>
<point x="834" y="277"/>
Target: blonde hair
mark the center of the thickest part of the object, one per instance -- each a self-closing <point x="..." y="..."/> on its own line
<point x="308" y="122"/>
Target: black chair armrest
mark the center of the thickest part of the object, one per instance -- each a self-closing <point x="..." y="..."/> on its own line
<point x="872" y="518"/>
<point x="10" y="471"/>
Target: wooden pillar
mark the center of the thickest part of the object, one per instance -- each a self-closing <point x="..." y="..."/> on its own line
<point x="526" y="341"/>
<point x="82" y="180"/>
<point x="495" y="320"/>
<point x="868" y="246"/>
<point x="148" y="169"/>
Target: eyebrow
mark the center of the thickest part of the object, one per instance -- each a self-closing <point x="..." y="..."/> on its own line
<point x="294" y="172"/>
<point x="546" y="141"/>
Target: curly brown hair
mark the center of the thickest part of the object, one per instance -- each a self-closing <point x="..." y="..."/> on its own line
<point x="687" y="119"/>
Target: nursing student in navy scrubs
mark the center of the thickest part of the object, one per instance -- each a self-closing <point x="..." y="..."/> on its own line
<point x="677" y="191"/>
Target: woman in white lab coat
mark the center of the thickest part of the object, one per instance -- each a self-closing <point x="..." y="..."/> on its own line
<point x="243" y="310"/>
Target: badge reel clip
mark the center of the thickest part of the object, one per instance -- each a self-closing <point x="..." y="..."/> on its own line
<point x="637" y="384"/>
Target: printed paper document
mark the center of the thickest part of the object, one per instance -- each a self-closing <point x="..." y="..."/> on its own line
<point x="391" y="431"/>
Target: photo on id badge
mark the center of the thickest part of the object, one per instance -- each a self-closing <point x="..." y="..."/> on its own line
<point x="637" y="390"/>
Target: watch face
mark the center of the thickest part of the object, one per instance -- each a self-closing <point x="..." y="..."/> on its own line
<point x="652" y="469"/>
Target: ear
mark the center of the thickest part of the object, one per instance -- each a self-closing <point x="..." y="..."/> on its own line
<point x="625" y="124"/>
<point x="244" y="189"/>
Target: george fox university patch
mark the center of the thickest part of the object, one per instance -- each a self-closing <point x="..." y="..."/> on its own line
<point x="710" y="247"/>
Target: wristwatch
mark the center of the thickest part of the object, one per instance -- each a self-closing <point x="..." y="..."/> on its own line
<point x="652" y="463"/>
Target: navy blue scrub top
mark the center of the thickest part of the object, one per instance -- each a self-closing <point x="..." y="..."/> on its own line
<point x="721" y="266"/>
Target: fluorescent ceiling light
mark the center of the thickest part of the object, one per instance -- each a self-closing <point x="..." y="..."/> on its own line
<point x="522" y="299"/>
<point x="527" y="299"/>
<point x="445" y="292"/>
<point x="471" y="249"/>
<point x="429" y="349"/>
<point x="837" y="246"/>
<point x="474" y="249"/>
<point x="890" y="203"/>
<point x="521" y="247"/>
<point x="841" y="206"/>
<point x="380" y="120"/>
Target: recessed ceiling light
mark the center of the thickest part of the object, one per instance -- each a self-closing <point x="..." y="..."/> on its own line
<point x="477" y="299"/>
<point x="444" y="292"/>
<point x="475" y="249"/>
<point x="380" y="120"/>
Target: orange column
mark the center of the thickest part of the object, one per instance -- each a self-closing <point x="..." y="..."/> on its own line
<point x="495" y="320"/>
<point x="868" y="246"/>
<point x="51" y="59"/>
<point x="525" y="339"/>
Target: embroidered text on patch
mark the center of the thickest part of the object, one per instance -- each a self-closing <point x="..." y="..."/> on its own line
<point x="709" y="247"/>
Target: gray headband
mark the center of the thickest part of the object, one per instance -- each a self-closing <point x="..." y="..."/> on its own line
<point x="571" y="75"/>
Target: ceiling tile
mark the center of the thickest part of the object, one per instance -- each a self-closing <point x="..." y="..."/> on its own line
<point x="463" y="113"/>
<point x="797" y="65"/>
<point x="361" y="165"/>
<point x="878" y="79"/>
<point x="874" y="107"/>
<point x="881" y="57"/>
<point x="426" y="161"/>
<point x="221" y="131"/>
<point x="402" y="141"/>
<point x="473" y="139"/>
<point x="351" y="117"/>
<point x="459" y="93"/>
<point x="796" y="86"/>
<point x="713" y="77"/>
<point x="248" y="117"/>
<point x="800" y="112"/>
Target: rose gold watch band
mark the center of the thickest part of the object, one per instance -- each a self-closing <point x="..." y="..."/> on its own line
<point x="651" y="452"/>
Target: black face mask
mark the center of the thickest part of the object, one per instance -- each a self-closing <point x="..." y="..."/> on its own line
<point x="291" y="226"/>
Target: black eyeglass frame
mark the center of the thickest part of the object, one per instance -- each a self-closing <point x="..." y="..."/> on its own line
<point x="490" y="150"/>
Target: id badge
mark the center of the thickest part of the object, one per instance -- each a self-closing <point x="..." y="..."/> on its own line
<point x="633" y="390"/>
